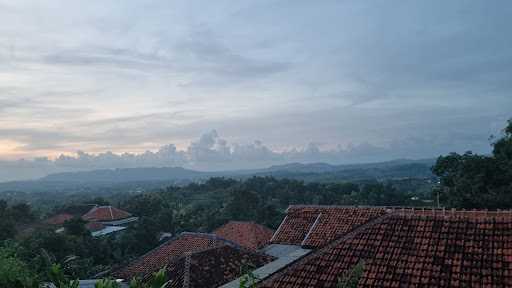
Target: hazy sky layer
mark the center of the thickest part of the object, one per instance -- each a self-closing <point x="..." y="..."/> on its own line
<point x="397" y="78"/>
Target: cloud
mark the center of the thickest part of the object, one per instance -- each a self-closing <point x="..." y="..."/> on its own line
<point x="413" y="79"/>
<point x="209" y="152"/>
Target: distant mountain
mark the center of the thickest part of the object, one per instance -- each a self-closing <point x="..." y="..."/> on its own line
<point x="128" y="175"/>
<point x="322" y="172"/>
<point x="144" y="179"/>
<point x="327" y="168"/>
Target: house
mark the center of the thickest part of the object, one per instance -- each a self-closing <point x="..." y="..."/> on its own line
<point x="154" y="260"/>
<point x="105" y="220"/>
<point x="395" y="248"/>
<point x="246" y="234"/>
<point x="195" y="260"/>
<point x="109" y="215"/>
<point x="101" y="220"/>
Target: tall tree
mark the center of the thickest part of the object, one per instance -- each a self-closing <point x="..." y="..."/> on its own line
<point x="477" y="181"/>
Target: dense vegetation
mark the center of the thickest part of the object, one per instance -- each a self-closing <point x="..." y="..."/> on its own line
<point x="478" y="181"/>
<point x="194" y="207"/>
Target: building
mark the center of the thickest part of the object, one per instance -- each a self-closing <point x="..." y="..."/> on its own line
<point x="213" y="267"/>
<point x="101" y="220"/>
<point x="109" y="215"/>
<point x="320" y="246"/>
<point x="396" y="248"/>
<point x="195" y="260"/>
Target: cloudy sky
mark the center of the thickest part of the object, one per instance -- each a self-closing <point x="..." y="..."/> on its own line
<point x="250" y="83"/>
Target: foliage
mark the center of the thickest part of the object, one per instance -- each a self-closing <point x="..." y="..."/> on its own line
<point x="57" y="278"/>
<point x="351" y="278"/>
<point x="76" y="227"/>
<point x="159" y="280"/>
<point x="477" y="181"/>
<point x="13" y="272"/>
<point x="106" y="283"/>
<point x="248" y="279"/>
<point x="12" y="217"/>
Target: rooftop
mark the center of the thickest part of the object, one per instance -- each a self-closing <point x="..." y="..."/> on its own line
<point x="246" y="234"/>
<point x="409" y="248"/>
<point x="213" y="267"/>
<point x="169" y="251"/>
<point x="315" y="226"/>
<point x="105" y="213"/>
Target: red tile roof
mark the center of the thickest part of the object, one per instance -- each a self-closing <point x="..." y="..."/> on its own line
<point x="213" y="267"/>
<point x="413" y="249"/>
<point x="316" y="226"/>
<point x="59" y="219"/>
<point x="105" y="213"/>
<point x="169" y="251"/>
<point x="246" y="234"/>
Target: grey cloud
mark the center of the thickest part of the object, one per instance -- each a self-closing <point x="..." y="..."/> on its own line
<point x="209" y="152"/>
<point x="38" y="139"/>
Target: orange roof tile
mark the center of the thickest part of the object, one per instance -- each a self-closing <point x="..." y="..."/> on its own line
<point x="413" y="249"/>
<point x="315" y="226"/>
<point x="213" y="267"/>
<point x="105" y="213"/>
<point x="170" y="250"/>
<point x="246" y="234"/>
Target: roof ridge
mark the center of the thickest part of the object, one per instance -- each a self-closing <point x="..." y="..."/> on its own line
<point x="253" y="224"/>
<point x="239" y="248"/>
<point x="211" y="236"/>
<point x="406" y="208"/>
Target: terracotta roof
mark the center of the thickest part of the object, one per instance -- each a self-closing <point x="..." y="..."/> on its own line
<point x="413" y="249"/>
<point x="94" y="226"/>
<point x="213" y="267"/>
<point x="316" y="226"/>
<point x="105" y="213"/>
<point x="169" y="251"/>
<point x="246" y="234"/>
<point x="59" y="219"/>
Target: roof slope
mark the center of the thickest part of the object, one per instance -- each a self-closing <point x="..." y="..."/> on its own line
<point x="213" y="267"/>
<point x="316" y="226"/>
<point x="246" y="234"/>
<point x="105" y="213"/>
<point x="59" y="219"/>
<point x="169" y="251"/>
<point x="413" y="249"/>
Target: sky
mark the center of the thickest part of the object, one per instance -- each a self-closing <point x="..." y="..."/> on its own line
<point x="216" y="85"/>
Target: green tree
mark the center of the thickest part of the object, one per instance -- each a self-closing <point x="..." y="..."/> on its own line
<point x="57" y="278"/>
<point x="13" y="272"/>
<point x="76" y="227"/>
<point x="242" y="204"/>
<point x="477" y="181"/>
<point x="7" y="229"/>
